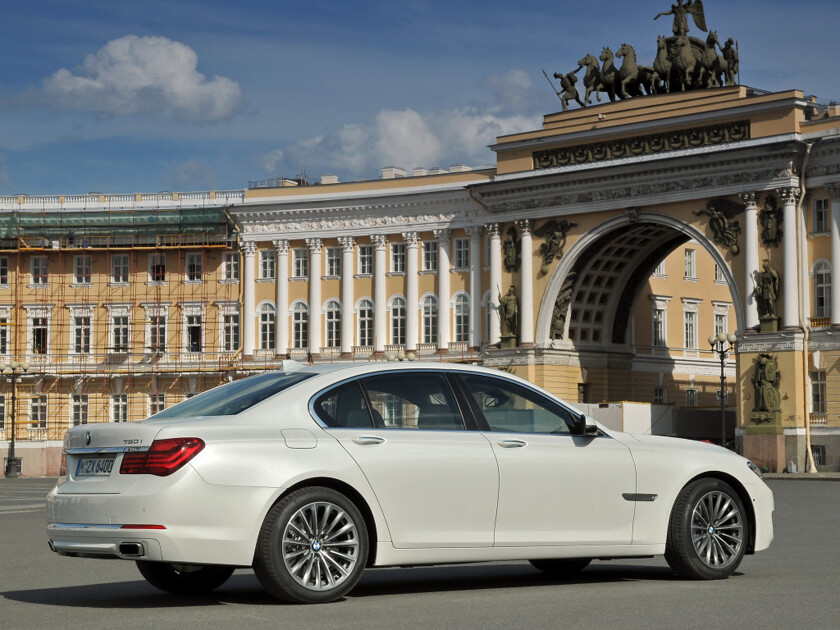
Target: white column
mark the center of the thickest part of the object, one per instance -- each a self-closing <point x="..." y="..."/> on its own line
<point x="526" y="281"/>
<point x="475" y="285"/>
<point x="750" y="259"/>
<point x="444" y="334"/>
<point x="412" y="296"/>
<point x="281" y="337"/>
<point x="249" y="249"/>
<point x="495" y="281"/>
<point x="380" y="298"/>
<point x="314" y="245"/>
<point x="348" y="245"/>
<point x="834" y="191"/>
<point x="790" y="276"/>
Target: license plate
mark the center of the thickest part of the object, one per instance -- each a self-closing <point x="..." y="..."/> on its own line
<point x="95" y="467"/>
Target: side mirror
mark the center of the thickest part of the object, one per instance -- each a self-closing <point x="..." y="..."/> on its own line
<point x="590" y="427"/>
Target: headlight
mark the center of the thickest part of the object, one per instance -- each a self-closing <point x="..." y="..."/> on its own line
<point x="755" y="469"/>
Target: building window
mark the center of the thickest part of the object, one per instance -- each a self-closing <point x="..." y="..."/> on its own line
<point x="81" y="335"/>
<point x="333" y="324"/>
<point x="719" y="277"/>
<point x="818" y="454"/>
<point x="366" y="323"/>
<point x="4" y="336"/>
<point x="659" y="272"/>
<point x="267" y="316"/>
<point x="157" y="267"/>
<point x="660" y="327"/>
<point x="38" y="411"/>
<point x="691" y="397"/>
<point x="4" y="271"/>
<point x="822" y="290"/>
<point x="194" y="266"/>
<point x="230" y="332"/>
<point x="398" y="257"/>
<point x="462" y="318"/>
<point x="2" y="411"/>
<point x="691" y="342"/>
<point x="690" y="264"/>
<point x="721" y="323"/>
<point x="267" y="264"/>
<point x="818" y="400"/>
<point x="300" y="262"/>
<point x="157" y="403"/>
<point x="300" y="325"/>
<point x="81" y="269"/>
<point x="157" y="333"/>
<point x="660" y="395"/>
<point x="119" y="407"/>
<point x="79" y="409"/>
<point x="821" y="216"/>
<point x="334" y="261"/>
<point x="398" y="321"/>
<point x="365" y="260"/>
<point x="119" y="333"/>
<point x="39" y="270"/>
<point x="230" y="267"/>
<point x="430" y="312"/>
<point x="119" y="268"/>
<point x="193" y="333"/>
<point x="430" y="255"/>
<point x="461" y="253"/>
<point x="39" y="335"/>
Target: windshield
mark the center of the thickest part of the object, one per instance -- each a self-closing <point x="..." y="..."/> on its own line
<point x="233" y="398"/>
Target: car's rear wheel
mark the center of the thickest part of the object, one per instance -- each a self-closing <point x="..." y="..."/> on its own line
<point x="561" y="567"/>
<point x="312" y="547"/>
<point x="708" y="531"/>
<point x="184" y="579"/>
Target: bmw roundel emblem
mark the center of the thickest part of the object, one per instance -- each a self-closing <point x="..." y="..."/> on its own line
<point x="87" y="438"/>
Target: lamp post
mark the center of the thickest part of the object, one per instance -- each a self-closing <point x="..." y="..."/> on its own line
<point x="722" y="343"/>
<point x="12" y="372"/>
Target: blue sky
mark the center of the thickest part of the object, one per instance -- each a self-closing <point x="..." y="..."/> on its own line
<point x="120" y="97"/>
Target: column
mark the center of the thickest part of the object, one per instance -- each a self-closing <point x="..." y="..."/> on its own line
<point x="790" y="275"/>
<point x="348" y="244"/>
<point x="475" y="285"/>
<point x="495" y="282"/>
<point x="444" y="334"/>
<point x="751" y="268"/>
<point x="281" y="337"/>
<point x="314" y="245"/>
<point x="526" y="281"/>
<point x="249" y="250"/>
<point x="380" y="298"/>
<point x="412" y="296"/>
<point x="834" y="192"/>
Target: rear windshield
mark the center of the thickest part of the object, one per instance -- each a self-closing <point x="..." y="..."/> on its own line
<point x="233" y="398"/>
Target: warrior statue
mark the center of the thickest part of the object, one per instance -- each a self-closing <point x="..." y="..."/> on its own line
<point x="766" y="292"/>
<point x="509" y="312"/>
<point x="681" y="11"/>
<point x="765" y="380"/>
<point x="567" y="82"/>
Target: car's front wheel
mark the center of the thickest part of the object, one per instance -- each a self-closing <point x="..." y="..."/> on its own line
<point x="312" y="547"/>
<point x="708" y="531"/>
<point x="184" y="579"/>
<point x="561" y="567"/>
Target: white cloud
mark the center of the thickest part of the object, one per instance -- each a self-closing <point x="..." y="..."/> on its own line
<point x="140" y="75"/>
<point x="404" y="138"/>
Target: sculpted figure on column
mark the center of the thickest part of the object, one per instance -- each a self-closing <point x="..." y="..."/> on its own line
<point x="766" y="291"/>
<point x="509" y="312"/>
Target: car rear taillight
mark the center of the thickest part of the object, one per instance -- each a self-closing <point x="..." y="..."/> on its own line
<point x="163" y="458"/>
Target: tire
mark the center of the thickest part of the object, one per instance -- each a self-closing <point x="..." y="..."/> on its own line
<point x="312" y="547"/>
<point x="708" y="531"/>
<point x="561" y="567"/>
<point x="184" y="579"/>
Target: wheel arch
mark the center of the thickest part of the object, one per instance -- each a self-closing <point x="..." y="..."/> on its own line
<point x="738" y="487"/>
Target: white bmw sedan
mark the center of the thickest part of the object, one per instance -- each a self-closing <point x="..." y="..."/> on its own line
<point x="311" y="474"/>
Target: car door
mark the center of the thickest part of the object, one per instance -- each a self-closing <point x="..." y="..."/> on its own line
<point x="436" y="482"/>
<point x="556" y="486"/>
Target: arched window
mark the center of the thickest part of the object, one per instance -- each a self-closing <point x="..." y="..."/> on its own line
<point x="267" y="327"/>
<point x="300" y="325"/>
<point x="333" y="324"/>
<point x="398" y="321"/>
<point x="430" y="311"/>
<point x="822" y="289"/>
<point x="366" y="323"/>
<point x="462" y="318"/>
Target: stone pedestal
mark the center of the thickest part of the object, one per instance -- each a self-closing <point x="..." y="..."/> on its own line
<point x="769" y="324"/>
<point x="765" y="449"/>
<point x="508" y="342"/>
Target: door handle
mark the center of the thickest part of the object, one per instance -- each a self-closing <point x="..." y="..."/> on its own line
<point x="368" y="440"/>
<point x="512" y="443"/>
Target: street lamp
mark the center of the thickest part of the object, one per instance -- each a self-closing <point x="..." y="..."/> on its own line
<point x="12" y="372"/>
<point x="722" y="343"/>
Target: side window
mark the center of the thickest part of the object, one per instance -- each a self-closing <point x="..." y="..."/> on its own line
<point x="507" y="406"/>
<point x="414" y="400"/>
<point x="343" y="407"/>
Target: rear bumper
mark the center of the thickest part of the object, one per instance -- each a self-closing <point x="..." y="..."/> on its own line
<point x="101" y="541"/>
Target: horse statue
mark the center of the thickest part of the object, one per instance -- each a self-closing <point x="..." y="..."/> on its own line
<point x="592" y="80"/>
<point x="662" y="66"/>
<point x="609" y="73"/>
<point x="685" y="63"/>
<point x="710" y="63"/>
<point x="633" y="76"/>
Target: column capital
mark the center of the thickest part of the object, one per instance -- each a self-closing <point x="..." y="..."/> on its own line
<point x="380" y="240"/>
<point x="748" y="198"/>
<point x="524" y="225"/>
<point x="493" y="230"/>
<point x="833" y="189"/>
<point x="412" y="239"/>
<point x="314" y="245"/>
<point x="347" y="243"/>
<point x="788" y="194"/>
<point x="473" y="230"/>
<point x="443" y="234"/>
<point x="281" y="246"/>
<point x="249" y="248"/>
